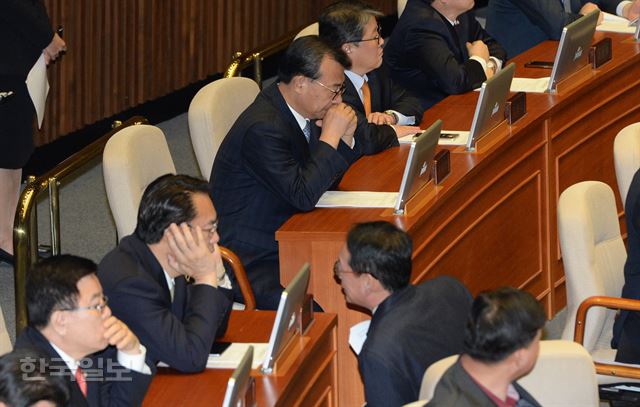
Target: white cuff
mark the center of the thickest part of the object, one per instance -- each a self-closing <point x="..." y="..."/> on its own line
<point x="404" y="120"/>
<point x="134" y="362"/>
<point x="620" y="8"/>
<point x="480" y="61"/>
<point x="498" y="63"/>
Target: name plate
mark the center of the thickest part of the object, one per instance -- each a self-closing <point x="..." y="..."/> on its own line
<point x="516" y="107"/>
<point x="600" y="53"/>
<point x="441" y="165"/>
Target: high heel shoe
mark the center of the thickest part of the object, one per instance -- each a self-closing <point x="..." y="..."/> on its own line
<point x="6" y="257"/>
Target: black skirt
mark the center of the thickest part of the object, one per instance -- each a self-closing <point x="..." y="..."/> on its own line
<point x="16" y="123"/>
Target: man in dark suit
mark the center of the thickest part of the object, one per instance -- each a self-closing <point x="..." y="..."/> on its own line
<point x="285" y="150"/>
<point x="519" y="25"/>
<point x="384" y="109"/>
<point x="501" y="344"/>
<point x="146" y="275"/>
<point x="626" y="329"/>
<point x="71" y="323"/>
<point x="439" y="49"/>
<point x="412" y="326"/>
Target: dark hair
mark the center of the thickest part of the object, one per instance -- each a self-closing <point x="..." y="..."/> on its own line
<point x="167" y="200"/>
<point x="345" y="21"/>
<point x="52" y="284"/>
<point x="304" y="56"/>
<point x="501" y="322"/>
<point x="25" y="380"/>
<point x="382" y="250"/>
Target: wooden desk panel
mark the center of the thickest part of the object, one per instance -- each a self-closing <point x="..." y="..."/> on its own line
<point x="310" y="380"/>
<point x="492" y="222"/>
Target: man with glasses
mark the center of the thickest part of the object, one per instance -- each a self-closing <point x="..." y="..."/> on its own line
<point x="411" y="326"/>
<point x="385" y="110"/>
<point x="166" y="279"/>
<point x="285" y="150"/>
<point x="71" y="324"/>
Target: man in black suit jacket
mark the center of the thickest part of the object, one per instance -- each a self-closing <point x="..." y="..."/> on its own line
<point x="438" y="49"/>
<point x="285" y="150"/>
<point x="145" y="276"/>
<point x="71" y="323"/>
<point x="384" y="109"/>
<point x="519" y="25"/>
<point x="501" y="345"/>
<point x="412" y="326"/>
<point x="626" y="329"/>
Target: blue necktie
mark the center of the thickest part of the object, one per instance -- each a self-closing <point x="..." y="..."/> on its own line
<point x="307" y="131"/>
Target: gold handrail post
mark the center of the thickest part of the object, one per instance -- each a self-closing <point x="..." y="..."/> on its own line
<point x="257" y="68"/>
<point x="54" y="215"/>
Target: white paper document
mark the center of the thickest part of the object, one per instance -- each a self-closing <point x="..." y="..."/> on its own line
<point x="459" y="140"/>
<point x="38" y="87"/>
<point x="615" y="24"/>
<point x="530" y="85"/>
<point x="357" y="199"/>
<point x="358" y="334"/>
<point x="232" y="356"/>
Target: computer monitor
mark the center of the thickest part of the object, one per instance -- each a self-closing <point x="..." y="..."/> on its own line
<point x="573" y="50"/>
<point x="287" y="317"/>
<point x="240" y="392"/>
<point x="417" y="170"/>
<point x="491" y="104"/>
<point x="637" y="33"/>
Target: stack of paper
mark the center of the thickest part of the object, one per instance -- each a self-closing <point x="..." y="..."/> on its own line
<point x="615" y="24"/>
<point x="530" y="85"/>
<point x="232" y="356"/>
<point x="357" y="199"/>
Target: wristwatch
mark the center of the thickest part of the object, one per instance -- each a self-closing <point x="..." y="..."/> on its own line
<point x="394" y="114"/>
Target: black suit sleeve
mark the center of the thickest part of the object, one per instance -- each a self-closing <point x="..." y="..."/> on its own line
<point x="405" y="102"/>
<point x="549" y="15"/>
<point x="476" y="32"/>
<point x="268" y="155"/>
<point x="28" y="18"/>
<point x="120" y="387"/>
<point x="183" y="345"/>
<point x="383" y="384"/>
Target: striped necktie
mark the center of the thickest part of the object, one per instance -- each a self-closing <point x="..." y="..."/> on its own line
<point x="307" y="131"/>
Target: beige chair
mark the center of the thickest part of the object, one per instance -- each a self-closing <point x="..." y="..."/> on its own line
<point x="626" y="157"/>
<point x="5" y="342"/>
<point x="213" y="111"/>
<point x="401" y="5"/>
<point x="593" y="254"/>
<point x="311" y="29"/>
<point x="564" y="376"/>
<point x="132" y="158"/>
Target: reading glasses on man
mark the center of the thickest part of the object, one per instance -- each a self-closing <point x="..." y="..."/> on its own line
<point x="210" y="231"/>
<point x="376" y="38"/>
<point x="337" y="270"/>
<point x="335" y="92"/>
<point x="98" y="307"/>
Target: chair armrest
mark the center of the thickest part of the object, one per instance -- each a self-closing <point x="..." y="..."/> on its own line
<point x="241" y="277"/>
<point x="613" y="303"/>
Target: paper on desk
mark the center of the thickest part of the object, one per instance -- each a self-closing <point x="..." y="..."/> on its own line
<point x="460" y="140"/>
<point x="38" y="87"/>
<point x="530" y="85"/>
<point x="357" y="199"/>
<point x="232" y="356"/>
<point x="615" y="24"/>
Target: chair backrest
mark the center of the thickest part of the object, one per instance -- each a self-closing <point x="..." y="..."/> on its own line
<point x="564" y="375"/>
<point x="311" y="29"/>
<point x="626" y="157"/>
<point x="5" y="342"/>
<point x="401" y="5"/>
<point x="593" y="255"/>
<point x="132" y="158"/>
<point x="213" y="111"/>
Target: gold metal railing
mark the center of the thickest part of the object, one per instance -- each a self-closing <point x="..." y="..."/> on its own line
<point x="242" y="60"/>
<point x="25" y="226"/>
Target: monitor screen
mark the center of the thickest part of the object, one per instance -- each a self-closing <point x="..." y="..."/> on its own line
<point x="573" y="50"/>
<point x="239" y="390"/>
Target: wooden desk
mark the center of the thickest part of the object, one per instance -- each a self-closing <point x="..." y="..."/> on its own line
<point x="492" y="222"/>
<point x="311" y="379"/>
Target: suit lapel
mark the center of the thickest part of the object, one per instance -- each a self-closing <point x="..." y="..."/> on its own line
<point x="376" y="92"/>
<point x="300" y="144"/>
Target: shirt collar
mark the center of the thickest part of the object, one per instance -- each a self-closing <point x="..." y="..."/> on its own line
<point x="302" y="122"/>
<point x="171" y="283"/>
<point x="356" y="79"/>
<point x="71" y="363"/>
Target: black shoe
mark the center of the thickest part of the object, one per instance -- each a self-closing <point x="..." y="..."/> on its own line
<point x="5" y="257"/>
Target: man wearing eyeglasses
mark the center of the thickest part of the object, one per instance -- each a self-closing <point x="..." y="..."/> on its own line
<point x="293" y="143"/>
<point x="384" y="109"/>
<point x="411" y="326"/>
<point x="166" y="280"/>
<point x="71" y="323"/>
